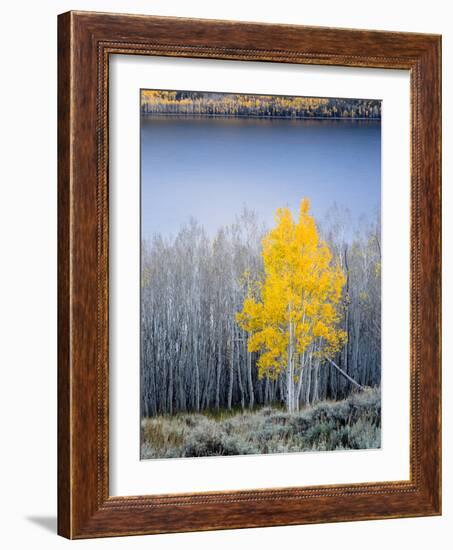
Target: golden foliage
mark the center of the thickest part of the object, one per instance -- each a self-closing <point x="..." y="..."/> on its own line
<point x="297" y="304"/>
<point x="227" y="104"/>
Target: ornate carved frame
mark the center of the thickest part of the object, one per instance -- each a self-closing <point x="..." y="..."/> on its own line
<point x="85" y="42"/>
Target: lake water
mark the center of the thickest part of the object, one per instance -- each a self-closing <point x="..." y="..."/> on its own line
<point x="210" y="168"/>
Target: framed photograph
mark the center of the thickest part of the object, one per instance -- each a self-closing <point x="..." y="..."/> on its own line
<point x="249" y="275"/>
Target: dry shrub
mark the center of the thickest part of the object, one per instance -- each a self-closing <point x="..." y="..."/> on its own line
<point x="354" y="423"/>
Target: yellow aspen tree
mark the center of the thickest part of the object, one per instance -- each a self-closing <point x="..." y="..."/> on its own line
<point x="293" y="313"/>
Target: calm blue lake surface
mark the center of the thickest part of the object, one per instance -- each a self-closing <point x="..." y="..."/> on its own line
<point x="210" y="168"/>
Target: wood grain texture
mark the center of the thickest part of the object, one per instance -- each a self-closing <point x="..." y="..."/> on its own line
<point x="85" y="42"/>
<point x="64" y="368"/>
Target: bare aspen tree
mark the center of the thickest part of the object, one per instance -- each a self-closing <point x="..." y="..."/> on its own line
<point x="193" y="353"/>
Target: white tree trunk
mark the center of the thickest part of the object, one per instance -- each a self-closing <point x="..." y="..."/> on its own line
<point x="290" y="371"/>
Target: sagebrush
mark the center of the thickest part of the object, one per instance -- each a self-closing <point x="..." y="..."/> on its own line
<point x="354" y="423"/>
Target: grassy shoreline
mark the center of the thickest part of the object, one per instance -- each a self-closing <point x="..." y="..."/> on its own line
<point x="353" y="423"/>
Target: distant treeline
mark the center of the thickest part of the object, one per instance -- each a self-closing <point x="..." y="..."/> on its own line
<point x="237" y="105"/>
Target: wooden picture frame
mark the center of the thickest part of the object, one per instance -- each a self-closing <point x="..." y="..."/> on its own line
<point x="85" y="42"/>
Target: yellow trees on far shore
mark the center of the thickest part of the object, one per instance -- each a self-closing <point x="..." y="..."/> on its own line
<point x="186" y="103"/>
<point x="292" y="315"/>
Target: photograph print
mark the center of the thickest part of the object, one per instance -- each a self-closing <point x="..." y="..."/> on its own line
<point x="260" y="274"/>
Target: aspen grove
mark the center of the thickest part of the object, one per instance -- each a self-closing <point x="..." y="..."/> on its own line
<point x="284" y="317"/>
